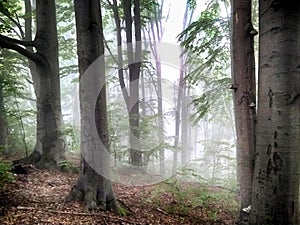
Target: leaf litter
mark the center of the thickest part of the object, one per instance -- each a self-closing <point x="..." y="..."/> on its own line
<point x="37" y="198"/>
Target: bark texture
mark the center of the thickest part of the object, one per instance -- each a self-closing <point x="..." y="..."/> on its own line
<point x="93" y="186"/>
<point x="49" y="150"/>
<point x="243" y="72"/>
<point x="275" y="198"/>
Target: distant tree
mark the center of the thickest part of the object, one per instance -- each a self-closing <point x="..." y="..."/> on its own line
<point x="275" y="198"/>
<point x="49" y="150"/>
<point x="93" y="188"/>
<point x="3" y="122"/>
<point x="131" y="93"/>
<point x="155" y="35"/>
<point x="244" y="86"/>
<point x="181" y="92"/>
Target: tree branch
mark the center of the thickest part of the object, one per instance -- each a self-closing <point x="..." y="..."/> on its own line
<point x="19" y="42"/>
<point x="14" y="44"/>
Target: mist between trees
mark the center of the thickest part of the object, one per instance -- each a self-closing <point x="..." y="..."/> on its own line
<point x="140" y="92"/>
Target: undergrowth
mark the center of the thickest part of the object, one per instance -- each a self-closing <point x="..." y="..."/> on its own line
<point x="185" y="197"/>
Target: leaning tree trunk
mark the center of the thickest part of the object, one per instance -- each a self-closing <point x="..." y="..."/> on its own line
<point x="93" y="187"/>
<point x="243" y="73"/>
<point x="275" y="198"/>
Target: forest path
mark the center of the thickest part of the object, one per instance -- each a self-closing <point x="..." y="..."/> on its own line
<point x="38" y="198"/>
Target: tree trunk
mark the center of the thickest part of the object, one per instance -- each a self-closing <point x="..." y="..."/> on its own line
<point x="50" y="144"/>
<point x="184" y="128"/>
<point x="155" y="35"/>
<point x="3" y="123"/>
<point x="49" y="149"/>
<point x="243" y="72"/>
<point x="93" y="186"/>
<point x="181" y="87"/>
<point x="134" y="65"/>
<point x="275" y="198"/>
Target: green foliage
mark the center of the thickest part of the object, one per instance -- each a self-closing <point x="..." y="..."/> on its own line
<point x="207" y="41"/>
<point x="182" y="197"/>
<point x="66" y="37"/>
<point x="9" y="9"/>
<point x="5" y="174"/>
<point x="66" y="166"/>
<point x="71" y="135"/>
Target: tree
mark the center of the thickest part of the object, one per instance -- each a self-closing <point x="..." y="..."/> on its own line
<point x="93" y="186"/>
<point x="49" y="150"/>
<point x="134" y="65"/>
<point x="155" y="34"/>
<point x="133" y="50"/>
<point x="275" y="198"/>
<point x="3" y="122"/>
<point x="243" y="74"/>
<point x="181" y="92"/>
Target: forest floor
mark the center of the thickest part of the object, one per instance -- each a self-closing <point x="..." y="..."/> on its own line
<point x="38" y="198"/>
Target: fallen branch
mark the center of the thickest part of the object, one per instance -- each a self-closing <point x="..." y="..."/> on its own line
<point x="161" y="211"/>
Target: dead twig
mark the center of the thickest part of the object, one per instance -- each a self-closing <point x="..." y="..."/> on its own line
<point x="161" y="211"/>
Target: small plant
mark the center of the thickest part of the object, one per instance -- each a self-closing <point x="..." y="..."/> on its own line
<point x="184" y="198"/>
<point x="66" y="166"/>
<point x="5" y="174"/>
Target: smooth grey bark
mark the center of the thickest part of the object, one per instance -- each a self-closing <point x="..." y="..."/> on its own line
<point x="50" y="144"/>
<point x="155" y="34"/>
<point x="184" y="127"/>
<point x="49" y="149"/>
<point x="275" y="198"/>
<point x="180" y="93"/>
<point x="92" y="188"/>
<point x="243" y="75"/>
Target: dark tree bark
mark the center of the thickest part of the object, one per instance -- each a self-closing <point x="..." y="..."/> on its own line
<point x="275" y="198"/>
<point x="49" y="149"/>
<point x="93" y="187"/>
<point x="134" y="64"/>
<point x="243" y="73"/>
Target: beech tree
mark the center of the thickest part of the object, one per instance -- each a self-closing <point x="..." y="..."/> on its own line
<point x="93" y="187"/>
<point x="243" y="73"/>
<point x="131" y="93"/>
<point x="155" y="34"/>
<point x="49" y="150"/>
<point x="275" y="198"/>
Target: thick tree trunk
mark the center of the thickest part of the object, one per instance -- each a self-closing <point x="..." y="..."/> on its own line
<point x="243" y="72"/>
<point x="275" y="198"/>
<point x="93" y="186"/>
<point x="49" y="150"/>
